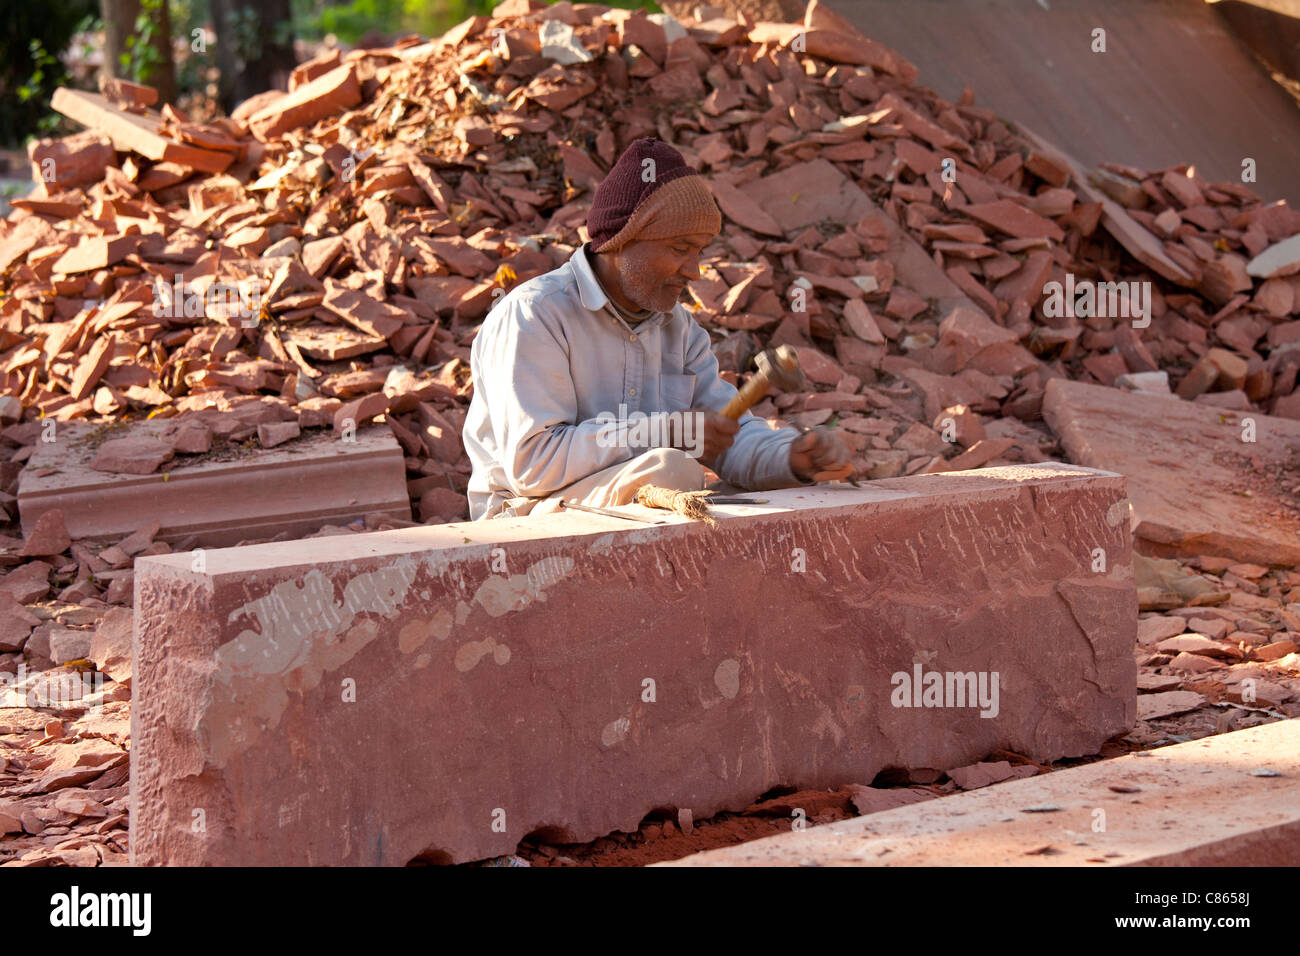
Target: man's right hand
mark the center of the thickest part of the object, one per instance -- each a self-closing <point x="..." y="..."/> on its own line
<point x="712" y="430"/>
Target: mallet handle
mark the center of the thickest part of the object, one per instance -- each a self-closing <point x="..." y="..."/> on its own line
<point x="749" y="395"/>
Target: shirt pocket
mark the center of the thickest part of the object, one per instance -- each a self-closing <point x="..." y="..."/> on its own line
<point x="677" y="391"/>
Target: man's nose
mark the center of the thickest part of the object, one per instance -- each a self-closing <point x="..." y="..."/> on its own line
<point x="690" y="270"/>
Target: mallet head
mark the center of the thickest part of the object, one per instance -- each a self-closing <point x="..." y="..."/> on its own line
<point x="780" y="367"/>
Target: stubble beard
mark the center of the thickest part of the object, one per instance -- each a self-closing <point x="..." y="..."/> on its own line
<point x="644" y="292"/>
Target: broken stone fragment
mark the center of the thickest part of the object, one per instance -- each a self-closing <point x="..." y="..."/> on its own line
<point x="1157" y="383"/>
<point x="1152" y="706"/>
<point x="1158" y="627"/>
<point x="1185" y="662"/>
<point x="1149" y="683"/>
<point x="69" y="645"/>
<point x="957" y="423"/>
<point x="110" y="647"/>
<point x="270" y="434"/>
<point x="28" y="582"/>
<point x="16" y="623"/>
<point x="317" y="412"/>
<point x="49" y="537"/>
<point x="1282" y="259"/>
<point x="438" y="505"/>
<point x="11" y="410"/>
<point x="137" y="455"/>
<point x="360" y="411"/>
<point x="981" y="774"/>
<point x="137" y="541"/>
<point x="189" y="437"/>
<point x="981" y="453"/>
<point x="1276" y="650"/>
<point x="878" y="799"/>
<point x="1199" y="644"/>
<point x="920" y="440"/>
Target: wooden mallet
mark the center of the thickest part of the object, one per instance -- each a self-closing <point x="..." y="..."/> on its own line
<point x="778" y="370"/>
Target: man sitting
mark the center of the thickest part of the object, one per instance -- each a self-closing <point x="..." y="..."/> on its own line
<point x="562" y="360"/>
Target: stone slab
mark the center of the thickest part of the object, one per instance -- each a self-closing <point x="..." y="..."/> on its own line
<point x="810" y="192"/>
<point x="224" y="496"/>
<point x="135" y="131"/>
<point x="367" y="699"/>
<point x="1196" y="486"/>
<point x="1228" y="800"/>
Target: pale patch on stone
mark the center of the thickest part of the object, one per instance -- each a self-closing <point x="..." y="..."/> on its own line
<point x="413" y="634"/>
<point x="302" y="632"/>
<point x="615" y="732"/>
<point x="440" y="624"/>
<point x="288" y="615"/>
<point x="423" y="661"/>
<point x="727" y="678"/>
<point x="468" y="655"/>
<point x="463" y="612"/>
<point x="500" y="595"/>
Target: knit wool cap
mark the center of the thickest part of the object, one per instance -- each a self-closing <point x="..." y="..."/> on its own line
<point x="676" y="201"/>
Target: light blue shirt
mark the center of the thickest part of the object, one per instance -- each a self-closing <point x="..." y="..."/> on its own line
<point x="553" y="363"/>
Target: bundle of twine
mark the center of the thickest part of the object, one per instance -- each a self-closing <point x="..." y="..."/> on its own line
<point x="688" y="504"/>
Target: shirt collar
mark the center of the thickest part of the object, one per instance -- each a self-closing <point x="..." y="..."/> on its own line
<point x="589" y="291"/>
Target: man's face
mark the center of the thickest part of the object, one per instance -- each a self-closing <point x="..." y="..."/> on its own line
<point x="654" y="272"/>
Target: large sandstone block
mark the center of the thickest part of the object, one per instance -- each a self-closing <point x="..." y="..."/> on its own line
<point x="1203" y="480"/>
<point x="447" y="690"/>
<point x="229" y="495"/>
<point x="1228" y="800"/>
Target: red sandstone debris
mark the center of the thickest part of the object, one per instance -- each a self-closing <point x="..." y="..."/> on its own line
<point x="905" y="248"/>
<point x="135" y="132"/>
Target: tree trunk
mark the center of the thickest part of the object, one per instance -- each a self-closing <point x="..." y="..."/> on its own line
<point x="254" y="47"/>
<point x="119" y="23"/>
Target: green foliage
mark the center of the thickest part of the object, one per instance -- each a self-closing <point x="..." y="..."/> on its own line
<point x="34" y="36"/>
<point x="142" y="57"/>
<point x="192" y="66"/>
<point x="351" y="21"/>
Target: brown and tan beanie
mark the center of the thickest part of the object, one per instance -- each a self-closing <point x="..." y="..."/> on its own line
<point x="656" y="200"/>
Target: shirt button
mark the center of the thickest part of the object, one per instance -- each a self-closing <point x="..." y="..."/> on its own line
<point x="632" y="337"/>
<point x="631" y="391"/>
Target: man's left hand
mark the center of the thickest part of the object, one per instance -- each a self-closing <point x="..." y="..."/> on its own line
<point x="818" y="450"/>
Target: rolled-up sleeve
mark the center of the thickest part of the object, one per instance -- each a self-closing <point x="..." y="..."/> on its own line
<point x="522" y="363"/>
<point x="759" y="456"/>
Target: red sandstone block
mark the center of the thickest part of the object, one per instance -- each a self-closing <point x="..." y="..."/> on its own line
<point x="462" y="685"/>
<point x="1174" y="452"/>
<point x="230" y="496"/>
